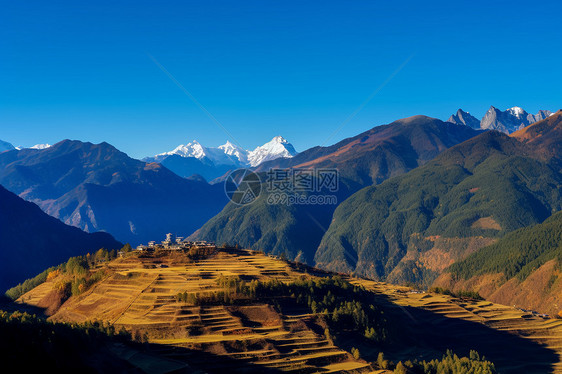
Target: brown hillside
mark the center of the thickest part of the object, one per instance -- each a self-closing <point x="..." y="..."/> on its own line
<point x="543" y="137"/>
<point x="541" y="291"/>
<point x="442" y="253"/>
<point x="382" y="152"/>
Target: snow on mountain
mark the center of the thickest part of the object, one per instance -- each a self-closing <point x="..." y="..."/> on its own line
<point x="231" y="154"/>
<point x="192" y="149"/>
<point x="516" y="111"/>
<point x="506" y="121"/>
<point x="41" y="146"/>
<point x="235" y="151"/>
<point x="276" y="148"/>
<point x="227" y="154"/>
<point x="5" y="146"/>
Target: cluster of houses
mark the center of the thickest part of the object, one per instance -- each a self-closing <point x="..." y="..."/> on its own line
<point x="173" y="242"/>
<point x="533" y="313"/>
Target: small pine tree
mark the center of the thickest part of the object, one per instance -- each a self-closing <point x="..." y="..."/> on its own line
<point x="400" y="368"/>
<point x="381" y="362"/>
<point x="328" y="335"/>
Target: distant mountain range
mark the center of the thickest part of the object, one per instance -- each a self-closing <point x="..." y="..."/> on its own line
<point x="97" y="188"/>
<point x="39" y="146"/>
<point x="507" y="121"/>
<point x="418" y="214"/>
<point x="193" y="158"/>
<point x="31" y="241"/>
<point x="5" y="146"/>
<point x="415" y="197"/>
<point x="368" y="158"/>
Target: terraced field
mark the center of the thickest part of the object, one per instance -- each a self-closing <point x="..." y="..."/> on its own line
<point x="140" y="294"/>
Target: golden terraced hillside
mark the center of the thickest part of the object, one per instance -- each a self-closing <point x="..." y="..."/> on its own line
<point x="154" y="296"/>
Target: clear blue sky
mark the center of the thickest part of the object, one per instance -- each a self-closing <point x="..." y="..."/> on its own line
<point x="82" y="70"/>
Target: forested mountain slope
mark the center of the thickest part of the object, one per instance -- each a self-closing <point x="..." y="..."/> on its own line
<point x="522" y="268"/>
<point x="411" y="227"/>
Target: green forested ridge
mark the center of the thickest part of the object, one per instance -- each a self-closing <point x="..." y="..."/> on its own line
<point x="291" y="230"/>
<point x="518" y="253"/>
<point x="490" y="176"/>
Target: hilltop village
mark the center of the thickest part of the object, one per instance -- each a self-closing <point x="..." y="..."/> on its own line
<point x="173" y="242"/>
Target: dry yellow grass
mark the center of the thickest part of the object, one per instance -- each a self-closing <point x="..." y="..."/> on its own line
<point x="140" y="295"/>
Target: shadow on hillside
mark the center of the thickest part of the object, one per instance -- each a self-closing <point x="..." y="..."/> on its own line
<point x="425" y="335"/>
<point x="163" y="359"/>
<point x="7" y="305"/>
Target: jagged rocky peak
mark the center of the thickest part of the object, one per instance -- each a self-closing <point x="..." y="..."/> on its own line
<point x="464" y="118"/>
<point x="507" y="121"/>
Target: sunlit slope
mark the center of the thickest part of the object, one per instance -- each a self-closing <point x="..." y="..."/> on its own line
<point x="140" y="294"/>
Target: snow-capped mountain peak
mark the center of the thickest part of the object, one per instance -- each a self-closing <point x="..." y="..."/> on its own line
<point x="277" y="147"/>
<point x="232" y="155"/>
<point x="235" y="151"/>
<point x="229" y="148"/>
<point x="191" y="149"/>
<point x="279" y="139"/>
<point x="516" y="111"/>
